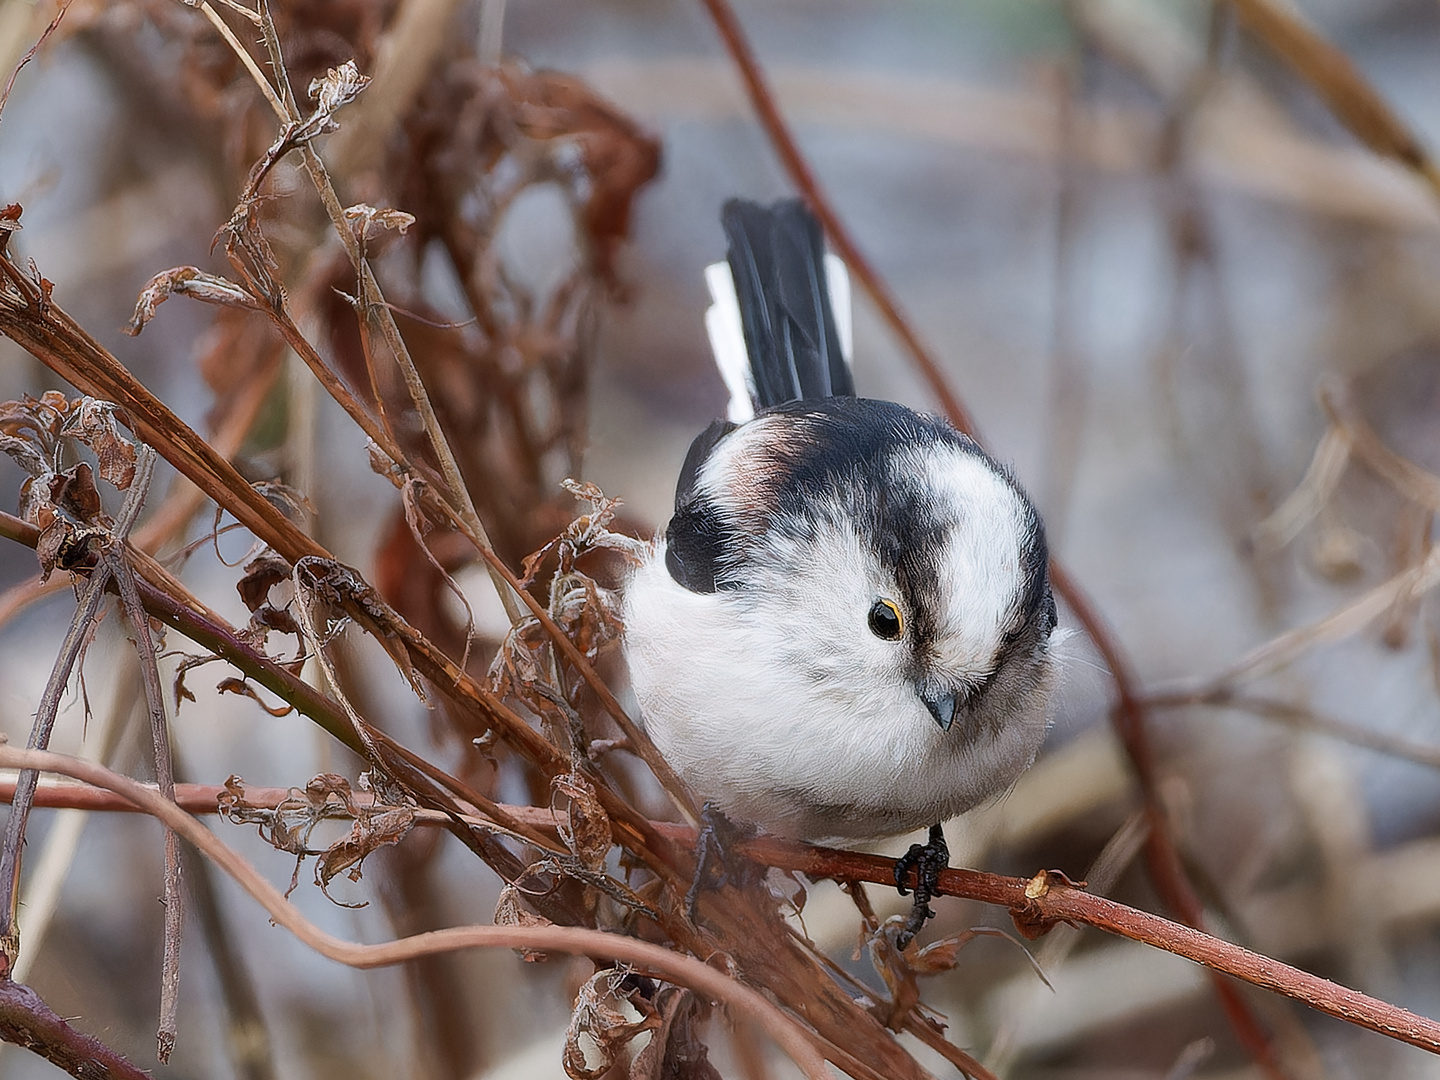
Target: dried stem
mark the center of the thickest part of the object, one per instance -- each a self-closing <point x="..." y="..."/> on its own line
<point x="1350" y="96"/>
<point x="1298" y="716"/>
<point x="245" y="58"/>
<point x="25" y="1020"/>
<point x="1288" y="647"/>
<point x="139" y="621"/>
<point x="377" y="310"/>
<point x="76" y="638"/>
<point x="463" y="515"/>
<point x="55" y="339"/>
<point x="168" y="602"/>
<point x="30" y="53"/>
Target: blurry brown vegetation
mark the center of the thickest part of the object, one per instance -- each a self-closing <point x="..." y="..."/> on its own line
<point x="384" y="163"/>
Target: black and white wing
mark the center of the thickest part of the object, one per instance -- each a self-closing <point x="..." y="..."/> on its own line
<point x="780" y="323"/>
<point x="780" y="331"/>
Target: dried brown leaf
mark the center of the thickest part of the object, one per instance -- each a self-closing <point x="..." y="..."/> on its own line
<point x="188" y="281"/>
<point x="510" y="910"/>
<point x="600" y="1027"/>
<point x="327" y="797"/>
<point x="530" y="565"/>
<point x="261" y="574"/>
<point x="674" y="1051"/>
<point x="584" y="613"/>
<point x="94" y="423"/>
<point x="44" y="416"/>
<point x="942" y="955"/>
<point x="283" y="827"/>
<point x="586" y="827"/>
<point x="53" y="540"/>
<point x="369" y="223"/>
<point x="269" y="617"/>
<point x="74" y="491"/>
<point x="246" y="246"/>
<point x="9" y="224"/>
<point x="338" y="86"/>
<point x="617" y="155"/>
<point x="374" y="827"/>
<point x="25" y="454"/>
<point x="244" y="689"/>
<point x="178" y="687"/>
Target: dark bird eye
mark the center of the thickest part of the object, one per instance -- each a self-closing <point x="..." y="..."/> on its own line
<point x="885" y="620"/>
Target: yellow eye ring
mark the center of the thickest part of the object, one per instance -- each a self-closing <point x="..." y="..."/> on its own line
<point x="885" y="620"/>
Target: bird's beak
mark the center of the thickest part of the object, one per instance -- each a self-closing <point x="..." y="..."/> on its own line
<point x="942" y="708"/>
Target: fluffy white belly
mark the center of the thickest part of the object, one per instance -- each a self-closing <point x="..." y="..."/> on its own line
<point x="762" y="718"/>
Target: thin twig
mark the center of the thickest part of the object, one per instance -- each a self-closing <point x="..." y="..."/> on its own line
<point x="1341" y="85"/>
<point x="41" y="896"/>
<point x="917" y="1026"/>
<point x="76" y="638"/>
<point x="245" y="58"/>
<point x="1417" y="484"/>
<point x="81" y="625"/>
<point x="1304" y="504"/>
<point x="25" y="1020"/>
<point x="376" y="308"/>
<point x="1344" y="622"/>
<point x="30" y="53"/>
<point x="174" y="899"/>
<point x="167" y="600"/>
<point x="1306" y="719"/>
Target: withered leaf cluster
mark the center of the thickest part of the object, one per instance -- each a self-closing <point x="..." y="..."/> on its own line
<point x="62" y="500"/>
<point x="289" y="825"/>
<point x="613" y="1009"/>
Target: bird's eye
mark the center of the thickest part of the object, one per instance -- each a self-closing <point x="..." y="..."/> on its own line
<point x="885" y="620"/>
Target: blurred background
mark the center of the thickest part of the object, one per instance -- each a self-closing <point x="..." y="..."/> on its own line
<point x="1199" y="318"/>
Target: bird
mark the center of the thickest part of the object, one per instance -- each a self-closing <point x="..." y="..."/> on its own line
<point x="845" y="633"/>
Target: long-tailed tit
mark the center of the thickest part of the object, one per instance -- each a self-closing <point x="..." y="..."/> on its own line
<point x="844" y="633"/>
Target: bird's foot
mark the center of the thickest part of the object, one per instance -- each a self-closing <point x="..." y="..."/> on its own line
<point x="927" y="860"/>
<point x="715" y="865"/>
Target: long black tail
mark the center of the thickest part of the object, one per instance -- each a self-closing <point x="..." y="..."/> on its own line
<point x="777" y="258"/>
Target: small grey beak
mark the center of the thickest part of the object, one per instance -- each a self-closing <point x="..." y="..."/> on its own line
<point x="942" y="708"/>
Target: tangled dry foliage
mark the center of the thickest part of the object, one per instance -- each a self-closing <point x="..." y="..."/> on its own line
<point x="479" y="422"/>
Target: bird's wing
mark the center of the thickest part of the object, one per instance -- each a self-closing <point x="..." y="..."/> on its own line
<point x="780" y="322"/>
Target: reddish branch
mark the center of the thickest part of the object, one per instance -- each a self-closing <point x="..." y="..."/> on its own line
<point x="1036" y="904"/>
<point x="809" y="186"/>
<point x="1129" y="716"/>
<point x="25" y="1020"/>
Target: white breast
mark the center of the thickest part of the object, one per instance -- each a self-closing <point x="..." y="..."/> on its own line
<point x="767" y="703"/>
